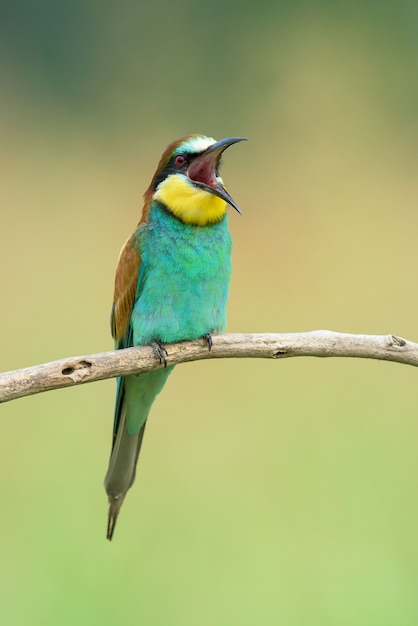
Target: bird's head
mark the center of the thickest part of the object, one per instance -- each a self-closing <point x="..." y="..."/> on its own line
<point x="187" y="180"/>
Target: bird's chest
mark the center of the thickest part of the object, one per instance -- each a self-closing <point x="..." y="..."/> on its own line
<point x="184" y="280"/>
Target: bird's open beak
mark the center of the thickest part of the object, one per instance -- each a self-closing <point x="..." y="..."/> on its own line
<point x="203" y="170"/>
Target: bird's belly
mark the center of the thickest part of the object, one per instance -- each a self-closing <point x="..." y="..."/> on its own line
<point x="183" y="307"/>
<point x="184" y="281"/>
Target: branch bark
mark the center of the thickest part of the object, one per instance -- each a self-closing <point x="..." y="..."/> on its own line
<point x="92" y="367"/>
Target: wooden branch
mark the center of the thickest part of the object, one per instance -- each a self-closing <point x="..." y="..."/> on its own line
<point x="92" y="367"/>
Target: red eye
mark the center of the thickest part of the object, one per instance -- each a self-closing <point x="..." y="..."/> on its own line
<point x="179" y="160"/>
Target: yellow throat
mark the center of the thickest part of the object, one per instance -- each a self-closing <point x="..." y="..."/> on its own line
<point x="189" y="203"/>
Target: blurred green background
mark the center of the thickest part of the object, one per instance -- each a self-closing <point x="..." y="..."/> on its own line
<point x="267" y="493"/>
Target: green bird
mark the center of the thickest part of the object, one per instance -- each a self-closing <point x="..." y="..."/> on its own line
<point x="172" y="283"/>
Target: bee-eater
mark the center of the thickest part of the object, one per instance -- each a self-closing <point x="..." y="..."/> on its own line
<point x="171" y="284"/>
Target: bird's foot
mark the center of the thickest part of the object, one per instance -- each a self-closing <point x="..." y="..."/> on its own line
<point x="208" y="339"/>
<point x="160" y="351"/>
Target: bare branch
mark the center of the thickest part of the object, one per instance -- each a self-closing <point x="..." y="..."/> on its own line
<point x="92" y="367"/>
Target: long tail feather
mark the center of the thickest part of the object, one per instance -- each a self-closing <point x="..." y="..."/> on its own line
<point x="121" y="473"/>
<point x="135" y="396"/>
<point x="115" y="503"/>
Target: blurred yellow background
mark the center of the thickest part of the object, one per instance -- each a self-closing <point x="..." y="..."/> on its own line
<point x="267" y="492"/>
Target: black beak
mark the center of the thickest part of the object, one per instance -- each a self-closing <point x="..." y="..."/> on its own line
<point x="203" y="170"/>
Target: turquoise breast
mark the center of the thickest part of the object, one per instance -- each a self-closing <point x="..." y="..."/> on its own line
<point x="184" y="279"/>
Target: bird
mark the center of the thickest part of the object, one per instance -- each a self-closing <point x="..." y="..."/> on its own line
<point x="171" y="284"/>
